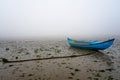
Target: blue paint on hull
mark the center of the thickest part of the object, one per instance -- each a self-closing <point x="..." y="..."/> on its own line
<point x="90" y="44"/>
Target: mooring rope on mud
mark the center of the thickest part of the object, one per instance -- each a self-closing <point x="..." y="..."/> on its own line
<point x="4" y="60"/>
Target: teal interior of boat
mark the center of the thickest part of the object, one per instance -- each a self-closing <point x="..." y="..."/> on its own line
<point x="83" y="41"/>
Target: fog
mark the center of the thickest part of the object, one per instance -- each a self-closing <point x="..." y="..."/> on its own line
<point x="59" y="18"/>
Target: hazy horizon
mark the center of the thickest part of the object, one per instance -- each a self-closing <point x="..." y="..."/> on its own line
<point x="59" y="18"/>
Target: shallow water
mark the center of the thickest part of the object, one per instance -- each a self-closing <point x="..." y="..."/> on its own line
<point x="87" y="65"/>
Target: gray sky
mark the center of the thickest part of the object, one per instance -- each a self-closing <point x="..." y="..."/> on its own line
<point x="42" y="18"/>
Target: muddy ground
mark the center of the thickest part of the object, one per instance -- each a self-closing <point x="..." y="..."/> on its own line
<point x="55" y="60"/>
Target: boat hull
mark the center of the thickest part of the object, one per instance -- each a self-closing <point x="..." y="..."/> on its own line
<point x="88" y="45"/>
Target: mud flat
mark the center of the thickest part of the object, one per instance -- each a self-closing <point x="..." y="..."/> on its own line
<point x="55" y="60"/>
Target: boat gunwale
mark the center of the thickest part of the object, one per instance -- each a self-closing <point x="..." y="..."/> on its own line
<point x="96" y="43"/>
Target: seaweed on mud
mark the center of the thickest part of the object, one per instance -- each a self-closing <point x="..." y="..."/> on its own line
<point x="10" y="65"/>
<point x="38" y="56"/>
<point x="101" y="70"/>
<point x="110" y="78"/>
<point x="4" y="60"/>
<point x="63" y="62"/>
<point x="41" y="49"/>
<point x="49" y="54"/>
<point x="69" y="67"/>
<point x="57" y="46"/>
<point x="97" y="75"/>
<point x="95" y="61"/>
<point x="89" y="70"/>
<point x="47" y="49"/>
<point x="109" y="63"/>
<point x="27" y="53"/>
<point x="72" y="73"/>
<point x="52" y="48"/>
<point x="57" y="51"/>
<point x="16" y="57"/>
<point x="70" y="77"/>
<point x="95" y="78"/>
<point x="36" y="50"/>
<point x="110" y="69"/>
<point x="90" y="78"/>
<point x="21" y="50"/>
<point x="39" y="78"/>
<point x="7" y="49"/>
<point x="30" y="74"/>
<point x="77" y="70"/>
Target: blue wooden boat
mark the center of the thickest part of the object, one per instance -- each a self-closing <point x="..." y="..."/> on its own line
<point x="97" y="45"/>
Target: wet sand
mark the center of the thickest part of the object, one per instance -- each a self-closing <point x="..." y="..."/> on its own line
<point x="55" y="60"/>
